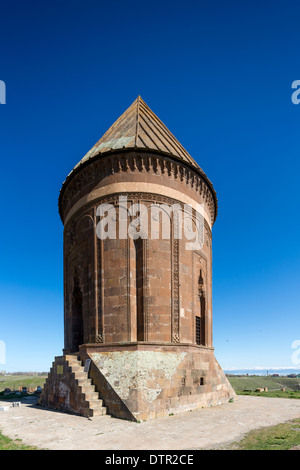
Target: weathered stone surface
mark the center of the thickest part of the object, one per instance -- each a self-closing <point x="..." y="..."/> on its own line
<point x="151" y="381"/>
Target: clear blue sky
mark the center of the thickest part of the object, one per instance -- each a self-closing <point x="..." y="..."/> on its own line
<point x="219" y="75"/>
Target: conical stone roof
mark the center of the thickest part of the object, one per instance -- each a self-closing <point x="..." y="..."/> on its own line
<point x="138" y="127"/>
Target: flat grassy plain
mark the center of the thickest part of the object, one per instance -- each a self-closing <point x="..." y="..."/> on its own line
<point x="284" y="436"/>
<point x="16" y="381"/>
<point x="251" y="382"/>
<point x="273" y="394"/>
<point x="13" y="444"/>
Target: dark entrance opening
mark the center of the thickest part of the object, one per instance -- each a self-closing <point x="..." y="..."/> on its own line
<point x="139" y="276"/>
<point x="77" y="318"/>
<point x="198" y="330"/>
<point x="200" y="320"/>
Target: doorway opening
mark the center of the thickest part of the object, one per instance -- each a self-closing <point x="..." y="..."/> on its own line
<point x="77" y="316"/>
<point x="139" y="285"/>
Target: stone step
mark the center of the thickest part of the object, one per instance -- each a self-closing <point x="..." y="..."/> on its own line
<point x="95" y="404"/>
<point x="91" y="395"/>
<point x="74" y="362"/>
<point x="76" y="366"/>
<point x="92" y="403"/>
<point x="80" y="374"/>
<point x="71" y="358"/>
<point x="88" y="388"/>
<point x="98" y="412"/>
<point x="82" y="381"/>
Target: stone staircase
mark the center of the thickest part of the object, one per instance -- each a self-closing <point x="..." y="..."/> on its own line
<point x="68" y="388"/>
<point x="91" y="403"/>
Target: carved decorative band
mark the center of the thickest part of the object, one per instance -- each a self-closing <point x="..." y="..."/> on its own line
<point x="85" y="180"/>
<point x="100" y="326"/>
<point x="114" y="199"/>
<point x="175" y="287"/>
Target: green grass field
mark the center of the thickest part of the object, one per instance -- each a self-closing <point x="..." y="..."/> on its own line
<point x="273" y="393"/>
<point x="16" y="381"/>
<point x="281" y="437"/>
<point x="240" y="384"/>
<point x="13" y="444"/>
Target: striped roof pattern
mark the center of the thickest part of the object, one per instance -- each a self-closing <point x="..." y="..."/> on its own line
<point x="139" y="127"/>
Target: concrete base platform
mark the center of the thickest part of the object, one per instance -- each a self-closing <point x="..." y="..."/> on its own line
<point x="207" y="428"/>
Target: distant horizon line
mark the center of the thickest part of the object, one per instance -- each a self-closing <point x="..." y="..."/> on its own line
<point x="262" y="368"/>
<point x="258" y="368"/>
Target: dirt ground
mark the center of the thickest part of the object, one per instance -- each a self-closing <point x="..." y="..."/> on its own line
<point x="202" y="429"/>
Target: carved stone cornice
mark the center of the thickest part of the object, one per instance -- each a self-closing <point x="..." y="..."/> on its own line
<point x="89" y="174"/>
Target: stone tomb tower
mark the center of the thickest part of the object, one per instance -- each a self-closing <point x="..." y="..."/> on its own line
<point x="137" y="307"/>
